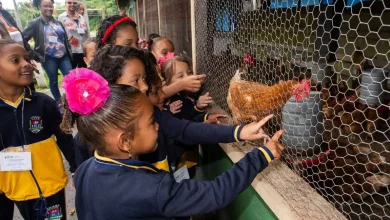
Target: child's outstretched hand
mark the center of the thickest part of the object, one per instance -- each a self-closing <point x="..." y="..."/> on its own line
<point x="192" y="83"/>
<point x="204" y="101"/>
<point x="175" y="106"/>
<point x="274" y="146"/>
<point x="254" y="131"/>
<point x="214" y="118"/>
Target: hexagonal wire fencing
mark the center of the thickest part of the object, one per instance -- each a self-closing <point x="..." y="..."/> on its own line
<point x="260" y="55"/>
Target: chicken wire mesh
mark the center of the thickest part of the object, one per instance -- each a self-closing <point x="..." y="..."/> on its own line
<point x="260" y="54"/>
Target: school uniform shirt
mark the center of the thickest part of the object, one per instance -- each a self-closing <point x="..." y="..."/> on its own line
<point x="181" y="154"/>
<point x="33" y="122"/>
<point x="172" y="128"/>
<point x="186" y="132"/>
<point x="77" y="31"/>
<point x="132" y="189"/>
<point x="188" y="111"/>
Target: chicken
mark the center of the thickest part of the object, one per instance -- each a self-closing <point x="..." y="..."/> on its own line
<point x="251" y="101"/>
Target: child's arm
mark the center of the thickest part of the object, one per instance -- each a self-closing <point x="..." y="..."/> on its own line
<point x="190" y="83"/>
<point x="64" y="141"/>
<point x="200" y="133"/>
<point x="192" y="197"/>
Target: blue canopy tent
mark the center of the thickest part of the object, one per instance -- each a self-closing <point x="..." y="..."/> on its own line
<point x="294" y="3"/>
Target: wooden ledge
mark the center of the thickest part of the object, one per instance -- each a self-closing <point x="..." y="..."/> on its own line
<point x="286" y="194"/>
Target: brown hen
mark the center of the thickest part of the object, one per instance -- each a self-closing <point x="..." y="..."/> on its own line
<point x="252" y="101"/>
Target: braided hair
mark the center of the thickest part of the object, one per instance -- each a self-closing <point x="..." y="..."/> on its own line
<point x="106" y="24"/>
<point x="109" y="61"/>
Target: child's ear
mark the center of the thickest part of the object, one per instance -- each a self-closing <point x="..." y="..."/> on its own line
<point x="124" y="142"/>
<point x="86" y="61"/>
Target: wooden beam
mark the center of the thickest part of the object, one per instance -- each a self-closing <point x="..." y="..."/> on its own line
<point x="193" y="35"/>
<point x="159" y="16"/>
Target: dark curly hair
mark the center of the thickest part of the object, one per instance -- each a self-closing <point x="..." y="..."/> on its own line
<point x="119" y="112"/>
<point x="105" y="24"/>
<point x="150" y="39"/>
<point x="37" y="3"/>
<point x="109" y="61"/>
<point x="151" y="70"/>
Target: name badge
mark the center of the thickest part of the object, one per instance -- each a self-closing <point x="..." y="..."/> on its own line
<point x="80" y="30"/>
<point x="15" y="161"/>
<point x="181" y="174"/>
<point x="53" y="39"/>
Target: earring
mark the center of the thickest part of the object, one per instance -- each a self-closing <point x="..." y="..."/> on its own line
<point x="129" y="154"/>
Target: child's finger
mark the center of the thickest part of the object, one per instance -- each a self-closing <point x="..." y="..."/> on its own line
<point x="277" y="135"/>
<point x="262" y="122"/>
<point x="281" y="147"/>
<point x="220" y="116"/>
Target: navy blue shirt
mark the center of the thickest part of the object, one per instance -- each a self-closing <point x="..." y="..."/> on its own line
<point x="132" y="189"/>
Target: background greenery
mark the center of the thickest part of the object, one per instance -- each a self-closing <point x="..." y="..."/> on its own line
<point x="28" y="12"/>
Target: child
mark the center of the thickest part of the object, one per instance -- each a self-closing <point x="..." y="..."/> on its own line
<point x="175" y="69"/>
<point x="161" y="46"/>
<point x="127" y="188"/>
<point x="150" y="39"/>
<point x="120" y="67"/>
<point x="30" y="130"/>
<point x="89" y="50"/>
<point x="118" y="30"/>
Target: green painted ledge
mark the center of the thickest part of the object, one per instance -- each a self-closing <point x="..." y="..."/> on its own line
<point x="248" y="205"/>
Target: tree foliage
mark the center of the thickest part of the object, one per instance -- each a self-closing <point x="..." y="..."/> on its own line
<point x="27" y="12"/>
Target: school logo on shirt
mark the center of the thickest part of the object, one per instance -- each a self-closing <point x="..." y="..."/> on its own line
<point x="35" y="124"/>
<point x="54" y="213"/>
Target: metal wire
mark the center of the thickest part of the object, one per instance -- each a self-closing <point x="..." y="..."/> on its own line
<point x="338" y="138"/>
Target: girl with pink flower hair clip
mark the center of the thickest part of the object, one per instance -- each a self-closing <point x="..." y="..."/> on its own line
<point x="118" y="123"/>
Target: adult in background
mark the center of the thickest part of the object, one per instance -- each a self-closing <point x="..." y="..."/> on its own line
<point x="122" y="12"/>
<point x="51" y="44"/>
<point x="9" y="29"/>
<point x="77" y="31"/>
<point x="80" y="9"/>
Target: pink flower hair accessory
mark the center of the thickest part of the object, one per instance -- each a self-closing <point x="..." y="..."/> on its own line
<point x="162" y="60"/>
<point x="86" y="91"/>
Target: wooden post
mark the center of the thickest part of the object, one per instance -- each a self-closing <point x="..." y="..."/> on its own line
<point x="103" y="13"/>
<point x="159" y="16"/>
<point x="193" y="35"/>
<point x="17" y="17"/>
<point x="144" y="19"/>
